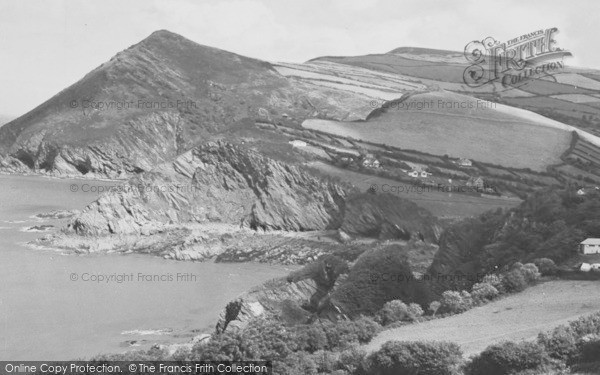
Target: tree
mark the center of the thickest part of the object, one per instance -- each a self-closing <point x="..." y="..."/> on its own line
<point x="514" y="281"/>
<point x="418" y="358"/>
<point x="455" y="302"/>
<point x="530" y="272"/>
<point x="483" y="292"/>
<point x="434" y="306"/>
<point x="508" y="358"/>
<point x="560" y="343"/>
<point x="379" y="276"/>
<point x="393" y="311"/>
<point x="414" y="311"/>
<point x="546" y="266"/>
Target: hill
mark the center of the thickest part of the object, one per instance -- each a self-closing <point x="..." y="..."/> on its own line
<point x="154" y="101"/>
<point x="5" y="119"/>
<point x="565" y="95"/>
<point x="445" y="123"/>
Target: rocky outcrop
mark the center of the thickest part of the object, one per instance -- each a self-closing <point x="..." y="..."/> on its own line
<point x="385" y="216"/>
<point x="216" y="182"/>
<point x="268" y="299"/>
<point x="13" y="166"/>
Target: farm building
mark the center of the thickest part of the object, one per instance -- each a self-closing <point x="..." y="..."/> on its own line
<point x="297" y="143"/>
<point x="590" y="246"/>
<point x="464" y="162"/>
<point x="371" y="162"/>
<point x="476" y="182"/>
<point x="413" y="174"/>
<point x="425" y="174"/>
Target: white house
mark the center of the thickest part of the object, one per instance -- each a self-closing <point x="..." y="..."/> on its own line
<point x="371" y="162"/>
<point x="465" y="162"/>
<point x="590" y="246"/>
<point x="476" y="182"/>
<point x="413" y="174"/>
<point x="425" y="174"/>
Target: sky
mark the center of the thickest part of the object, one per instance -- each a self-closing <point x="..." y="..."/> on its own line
<point x="47" y="45"/>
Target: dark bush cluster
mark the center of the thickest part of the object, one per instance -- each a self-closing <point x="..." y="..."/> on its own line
<point x="397" y="311"/>
<point x="575" y="343"/>
<point x="570" y="346"/>
<point x="509" y="358"/>
<point x="415" y="358"/>
<point x="379" y="276"/>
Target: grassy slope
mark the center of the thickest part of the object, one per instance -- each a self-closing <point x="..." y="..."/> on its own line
<point x="446" y="69"/>
<point x="440" y="204"/>
<point x="483" y="134"/>
<point x="517" y="317"/>
<point x="164" y="67"/>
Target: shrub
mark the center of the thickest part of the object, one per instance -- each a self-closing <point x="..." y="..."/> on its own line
<point x="455" y="302"/>
<point x="261" y="339"/>
<point x="298" y="363"/>
<point x="496" y="281"/>
<point x="467" y="300"/>
<point x="514" y="281"/>
<point x="415" y="358"/>
<point x="531" y="273"/>
<point x="589" y="350"/>
<point x="560" y="344"/>
<point x="352" y="359"/>
<point x="414" y="311"/>
<point x="393" y="311"/>
<point x="509" y="358"/>
<point x="365" y="329"/>
<point x="546" y="266"/>
<point x="343" y="333"/>
<point x="326" y="361"/>
<point x="379" y="276"/>
<point x="483" y="292"/>
<point x="310" y="338"/>
<point x="586" y="325"/>
<point x="434" y="307"/>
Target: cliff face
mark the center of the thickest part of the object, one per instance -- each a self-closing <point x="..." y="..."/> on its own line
<point x="216" y="182"/>
<point x="228" y="202"/>
<point x="385" y="216"/>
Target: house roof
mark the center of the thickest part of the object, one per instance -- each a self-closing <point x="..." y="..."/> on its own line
<point x="591" y="241"/>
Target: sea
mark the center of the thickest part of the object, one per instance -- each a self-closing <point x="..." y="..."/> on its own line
<point x="62" y="306"/>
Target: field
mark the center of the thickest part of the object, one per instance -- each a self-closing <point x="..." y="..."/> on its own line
<point x="588" y="152"/>
<point x="577" y="80"/>
<point x="517" y="317"/>
<point x="575" y="173"/>
<point x="395" y="64"/>
<point x="441" y="204"/>
<point x="492" y="135"/>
